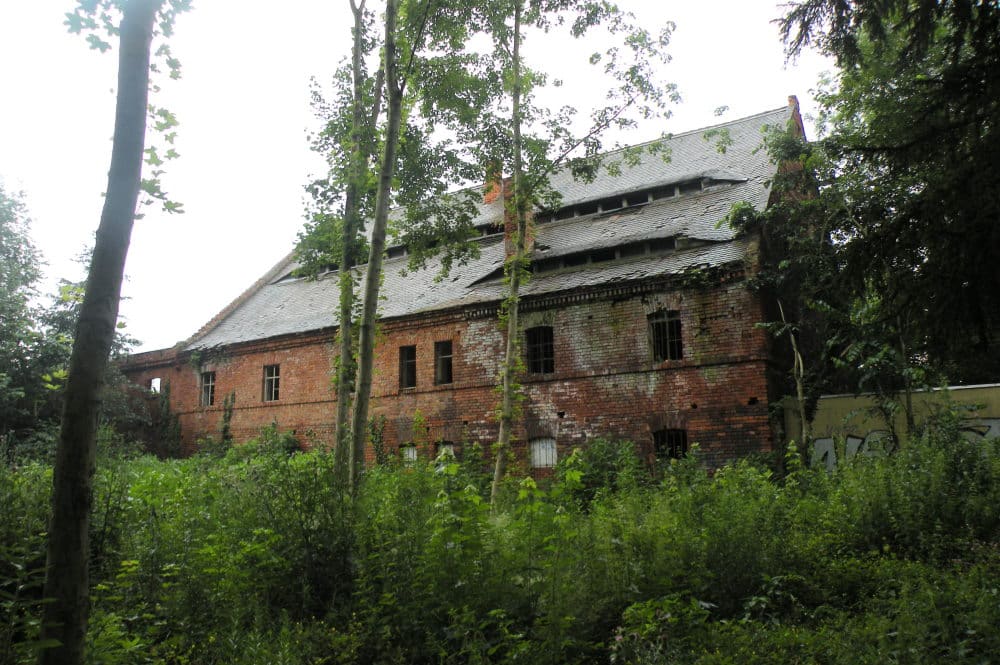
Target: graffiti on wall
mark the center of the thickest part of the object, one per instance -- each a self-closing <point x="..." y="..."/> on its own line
<point x="878" y="442"/>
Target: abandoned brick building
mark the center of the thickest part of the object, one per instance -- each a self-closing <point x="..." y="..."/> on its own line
<point x="637" y="323"/>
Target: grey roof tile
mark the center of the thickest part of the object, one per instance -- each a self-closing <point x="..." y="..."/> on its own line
<point x="298" y="306"/>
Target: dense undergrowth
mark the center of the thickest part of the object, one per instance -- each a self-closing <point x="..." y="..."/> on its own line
<point x="255" y="557"/>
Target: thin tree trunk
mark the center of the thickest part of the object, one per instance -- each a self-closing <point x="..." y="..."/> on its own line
<point x="346" y="371"/>
<point x="514" y="269"/>
<point x="366" y="342"/>
<point x="907" y="381"/>
<point x="66" y="580"/>
<point x="798" y="373"/>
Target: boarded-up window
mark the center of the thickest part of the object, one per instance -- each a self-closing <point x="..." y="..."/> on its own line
<point x="543" y="453"/>
<point x="665" y="332"/>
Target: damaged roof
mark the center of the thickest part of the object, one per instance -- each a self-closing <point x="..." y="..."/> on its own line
<point x="274" y="306"/>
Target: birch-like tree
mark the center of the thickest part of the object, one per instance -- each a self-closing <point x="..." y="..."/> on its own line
<point x="64" y="621"/>
<point x="541" y="141"/>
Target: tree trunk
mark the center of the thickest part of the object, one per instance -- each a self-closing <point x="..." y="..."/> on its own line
<point x="515" y="266"/>
<point x="799" y="374"/>
<point x="373" y="274"/>
<point x="66" y="579"/>
<point x="346" y="371"/>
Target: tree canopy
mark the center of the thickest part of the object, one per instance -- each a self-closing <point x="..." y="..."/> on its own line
<point x="912" y="128"/>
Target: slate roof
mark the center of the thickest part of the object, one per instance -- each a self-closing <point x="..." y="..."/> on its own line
<point x="273" y="307"/>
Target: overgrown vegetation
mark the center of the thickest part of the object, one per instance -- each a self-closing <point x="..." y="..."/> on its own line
<point x="257" y="557"/>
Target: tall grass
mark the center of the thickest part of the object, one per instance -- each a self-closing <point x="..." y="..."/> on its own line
<point x="257" y="557"/>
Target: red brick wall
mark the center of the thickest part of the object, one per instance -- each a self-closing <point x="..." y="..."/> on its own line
<point x="605" y="382"/>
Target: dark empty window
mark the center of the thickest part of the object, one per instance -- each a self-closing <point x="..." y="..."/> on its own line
<point x="442" y="362"/>
<point x="207" y="389"/>
<point x="662" y="245"/>
<point x="272" y="381"/>
<point x="601" y="255"/>
<point x="540" y="350"/>
<point x="407" y="367"/>
<point x="665" y="329"/>
<point x="670" y="443"/>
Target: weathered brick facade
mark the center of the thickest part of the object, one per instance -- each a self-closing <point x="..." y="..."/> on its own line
<point x="605" y="383"/>
<point x="599" y="278"/>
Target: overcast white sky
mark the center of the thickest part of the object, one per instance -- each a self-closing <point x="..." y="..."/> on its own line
<point x="244" y="110"/>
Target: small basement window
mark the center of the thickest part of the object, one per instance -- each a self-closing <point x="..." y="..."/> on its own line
<point x="670" y="443"/>
<point x="446" y="448"/>
<point x="543" y="453"/>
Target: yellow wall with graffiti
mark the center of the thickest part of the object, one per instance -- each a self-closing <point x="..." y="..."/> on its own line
<point x="846" y="425"/>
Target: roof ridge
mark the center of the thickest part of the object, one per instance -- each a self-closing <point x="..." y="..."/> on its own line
<point x="665" y="137"/>
<point x="267" y="277"/>
<point x="698" y="130"/>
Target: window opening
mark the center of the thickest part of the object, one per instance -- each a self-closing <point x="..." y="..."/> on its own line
<point x="444" y="448"/>
<point x="635" y="249"/>
<point x="543" y="453"/>
<point x="547" y="265"/>
<point x="272" y="382"/>
<point x="670" y="443"/>
<point x="586" y="208"/>
<point x="442" y="362"/>
<point x="207" y="389"/>
<point x="689" y="187"/>
<point x="663" y="245"/>
<point x="637" y="198"/>
<point x="574" y="260"/>
<point x="601" y="255"/>
<point x="665" y="329"/>
<point x="664" y="192"/>
<point x="540" y="350"/>
<point x="407" y="367"/>
<point x="408" y="452"/>
<point x="154" y="385"/>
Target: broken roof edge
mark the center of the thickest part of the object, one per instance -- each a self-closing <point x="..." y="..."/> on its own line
<point x="792" y="109"/>
<point x="528" y="300"/>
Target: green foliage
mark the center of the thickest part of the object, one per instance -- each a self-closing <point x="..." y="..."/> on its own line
<point x="912" y="131"/>
<point x="260" y="557"/>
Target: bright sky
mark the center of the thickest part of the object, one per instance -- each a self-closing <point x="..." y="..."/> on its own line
<point x="243" y="105"/>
